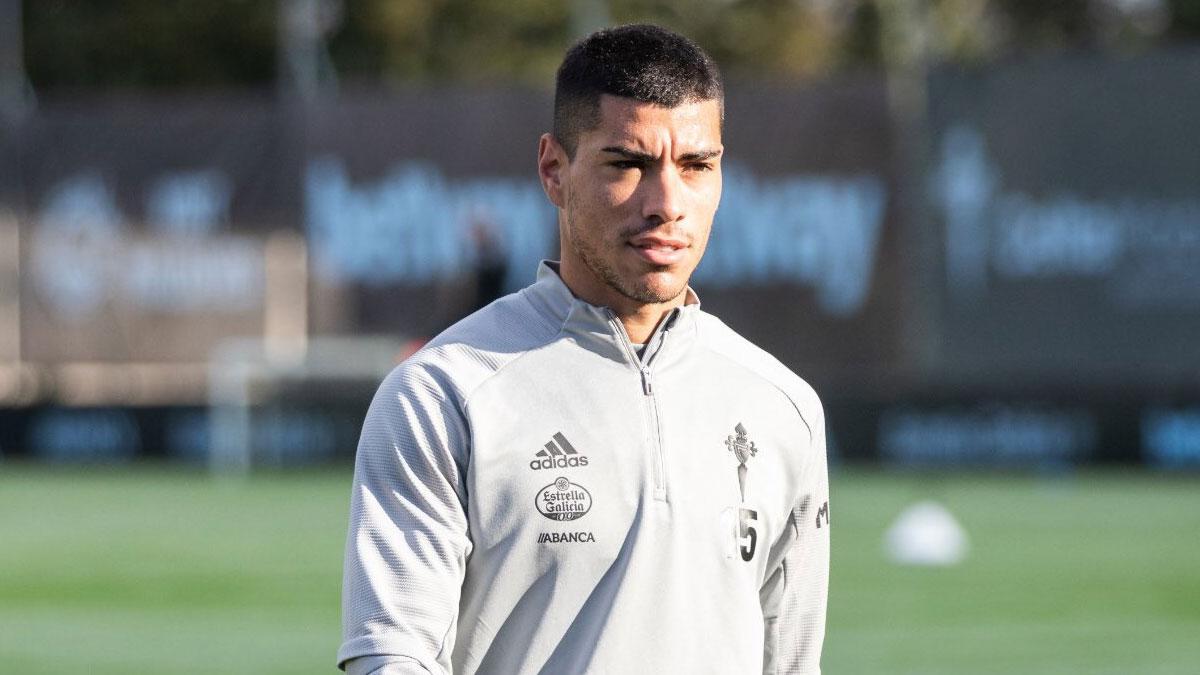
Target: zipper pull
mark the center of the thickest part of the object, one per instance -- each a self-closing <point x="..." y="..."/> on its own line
<point x="647" y="387"/>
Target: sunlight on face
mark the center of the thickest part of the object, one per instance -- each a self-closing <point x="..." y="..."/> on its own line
<point x="639" y="200"/>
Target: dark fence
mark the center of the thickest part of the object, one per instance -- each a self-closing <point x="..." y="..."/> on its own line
<point x="1037" y="303"/>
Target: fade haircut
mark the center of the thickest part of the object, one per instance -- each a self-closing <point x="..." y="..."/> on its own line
<point x="642" y="62"/>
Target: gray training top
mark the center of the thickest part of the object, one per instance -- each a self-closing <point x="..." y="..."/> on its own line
<point x="530" y="495"/>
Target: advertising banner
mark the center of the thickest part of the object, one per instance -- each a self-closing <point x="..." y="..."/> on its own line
<point x="1068" y="206"/>
<point x="419" y="197"/>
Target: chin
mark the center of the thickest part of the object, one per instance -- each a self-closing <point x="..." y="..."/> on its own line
<point x="660" y="290"/>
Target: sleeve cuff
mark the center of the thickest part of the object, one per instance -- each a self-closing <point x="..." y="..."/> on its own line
<point x="384" y="665"/>
<point x="389" y="655"/>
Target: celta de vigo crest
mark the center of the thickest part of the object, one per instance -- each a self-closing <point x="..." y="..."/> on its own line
<point x="743" y="449"/>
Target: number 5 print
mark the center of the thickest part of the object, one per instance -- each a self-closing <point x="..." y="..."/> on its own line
<point x="747" y="535"/>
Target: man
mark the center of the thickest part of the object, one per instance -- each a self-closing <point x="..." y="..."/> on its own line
<point x="593" y="475"/>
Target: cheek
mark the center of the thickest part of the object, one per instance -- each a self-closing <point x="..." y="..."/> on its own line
<point x="616" y="194"/>
<point x="705" y="206"/>
<point x="593" y="195"/>
<point x="700" y="241"/>
<point x="706" y="196"/>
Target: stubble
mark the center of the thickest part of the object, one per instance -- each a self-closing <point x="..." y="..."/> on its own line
<point x="633" y="289"/>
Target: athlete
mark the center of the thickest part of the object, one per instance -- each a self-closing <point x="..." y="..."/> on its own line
<point x="593" y="474"/>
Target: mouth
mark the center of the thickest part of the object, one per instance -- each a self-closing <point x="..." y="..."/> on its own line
<point x="658" y="250"/>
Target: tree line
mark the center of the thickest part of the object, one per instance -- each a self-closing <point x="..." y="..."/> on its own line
<point x="221" y="43"/>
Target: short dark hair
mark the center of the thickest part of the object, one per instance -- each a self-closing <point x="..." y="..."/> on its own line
<point x="642" y="62"/>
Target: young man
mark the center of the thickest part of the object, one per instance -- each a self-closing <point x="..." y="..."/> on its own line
<point x="593" y="475"/>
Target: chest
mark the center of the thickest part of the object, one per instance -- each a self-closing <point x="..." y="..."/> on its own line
<point x="572" y="460"/>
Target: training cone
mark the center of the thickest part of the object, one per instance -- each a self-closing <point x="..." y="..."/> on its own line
<point x="925" y="534"/>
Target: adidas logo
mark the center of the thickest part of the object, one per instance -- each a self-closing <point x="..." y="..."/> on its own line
<point x="558" y="454"/>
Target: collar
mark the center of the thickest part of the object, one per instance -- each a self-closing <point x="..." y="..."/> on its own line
<point x="598" y="328"/>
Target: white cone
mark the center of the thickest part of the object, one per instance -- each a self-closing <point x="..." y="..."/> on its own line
<point x="925" y="534"/>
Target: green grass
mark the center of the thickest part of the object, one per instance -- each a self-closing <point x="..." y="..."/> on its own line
<point x="1092" y="574"/>
<point x="141" y="572"/>
<point x="150" y="571"/>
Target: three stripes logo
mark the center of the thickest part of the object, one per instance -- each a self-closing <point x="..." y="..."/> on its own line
<point x="558" y="454"/>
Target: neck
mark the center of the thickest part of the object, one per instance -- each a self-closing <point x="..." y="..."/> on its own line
<point x="639" y="318"/>
<point x="641" y="324"/>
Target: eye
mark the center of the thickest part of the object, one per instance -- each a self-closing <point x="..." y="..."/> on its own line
<point x="626" y="164"/>
<point x="699" y="166"/>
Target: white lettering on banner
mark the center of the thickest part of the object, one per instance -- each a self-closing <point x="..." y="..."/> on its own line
<point x="964" y="184"/>
<point x="97" y="435"/>
<point x="222" y="274"/>
<point x="73" y="245"/>
<point x="993" y="435"/>
<point x="283" y="437"/>
<point x="280" y="435"/>
<point x="817" y="231"/>
<point x="1146" y="252"/>
<point x="1062" y="237"/>
<point x="410" y="227"/>
<point x="1172" y="437"/>
<point x="82" y="258"/>
<point x="189" y="202"/>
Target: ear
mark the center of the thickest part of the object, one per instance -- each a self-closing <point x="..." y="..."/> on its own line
<point x="552" y="165"/>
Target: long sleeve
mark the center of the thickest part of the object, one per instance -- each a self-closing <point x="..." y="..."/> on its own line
<point x="384" y="665"/>
<point x="408" y="538"/>
<point x="795" y="594"/>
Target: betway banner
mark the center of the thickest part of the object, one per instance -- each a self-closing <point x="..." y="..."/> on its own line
<point x="1059" y="242"/>
<point x="406" y="194"/>
<point x="418" y="206"/>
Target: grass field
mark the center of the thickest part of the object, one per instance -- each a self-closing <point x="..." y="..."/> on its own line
<point x="143" y="571"/>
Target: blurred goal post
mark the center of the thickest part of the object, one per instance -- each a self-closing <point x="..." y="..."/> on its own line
<point x="245" y="376"/>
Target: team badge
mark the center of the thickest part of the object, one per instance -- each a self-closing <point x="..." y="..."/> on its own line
<point x="743" y="449"/>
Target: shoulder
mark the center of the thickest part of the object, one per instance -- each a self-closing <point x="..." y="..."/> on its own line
<point x="726" y="343"/>
<point x="471" y="351"/>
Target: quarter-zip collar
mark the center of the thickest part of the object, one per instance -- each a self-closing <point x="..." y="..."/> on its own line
<point x="598" y="328"/>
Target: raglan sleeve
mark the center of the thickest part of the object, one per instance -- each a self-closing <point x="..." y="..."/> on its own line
<point x="408" y="537"/>
<point x="795" y="593"/>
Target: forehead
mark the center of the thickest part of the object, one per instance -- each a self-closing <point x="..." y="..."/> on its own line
<point x="646" y="126"/>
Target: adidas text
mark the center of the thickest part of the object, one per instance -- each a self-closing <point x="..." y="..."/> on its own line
<point x="558" y="462"/>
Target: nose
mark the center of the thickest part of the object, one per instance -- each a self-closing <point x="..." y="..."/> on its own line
<point x="663" y="195"/>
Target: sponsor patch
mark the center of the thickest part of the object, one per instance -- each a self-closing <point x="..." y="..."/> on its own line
<point x="558" y="454"/>
<point x="565" y="537"/>
<point x="563" y="500"/>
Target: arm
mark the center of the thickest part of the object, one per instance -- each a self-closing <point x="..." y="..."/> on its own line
<point x="408" y="540"/>
<point x="795" y="593"/>
<point x="384" y="665"/>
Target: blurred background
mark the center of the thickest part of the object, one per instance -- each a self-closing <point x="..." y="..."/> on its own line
<point x="972" y="225"/>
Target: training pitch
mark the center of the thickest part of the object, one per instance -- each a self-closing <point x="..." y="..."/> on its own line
<point x="146" y="571"/>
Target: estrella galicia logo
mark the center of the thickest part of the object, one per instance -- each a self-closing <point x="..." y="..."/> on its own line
<point x="563" y="500"/>
<point x="558" y="454"/>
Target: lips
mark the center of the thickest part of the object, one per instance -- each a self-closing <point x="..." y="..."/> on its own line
<point x="659" y="250"/>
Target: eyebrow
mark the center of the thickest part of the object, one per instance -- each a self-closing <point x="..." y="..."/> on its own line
<point x="647" y="157"/>
<point x="699" y="156"/>
<point x="629" y="154"/>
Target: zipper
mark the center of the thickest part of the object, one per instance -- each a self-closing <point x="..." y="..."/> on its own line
<point x="647" y="378"/>
<point x="660" y="482"/>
